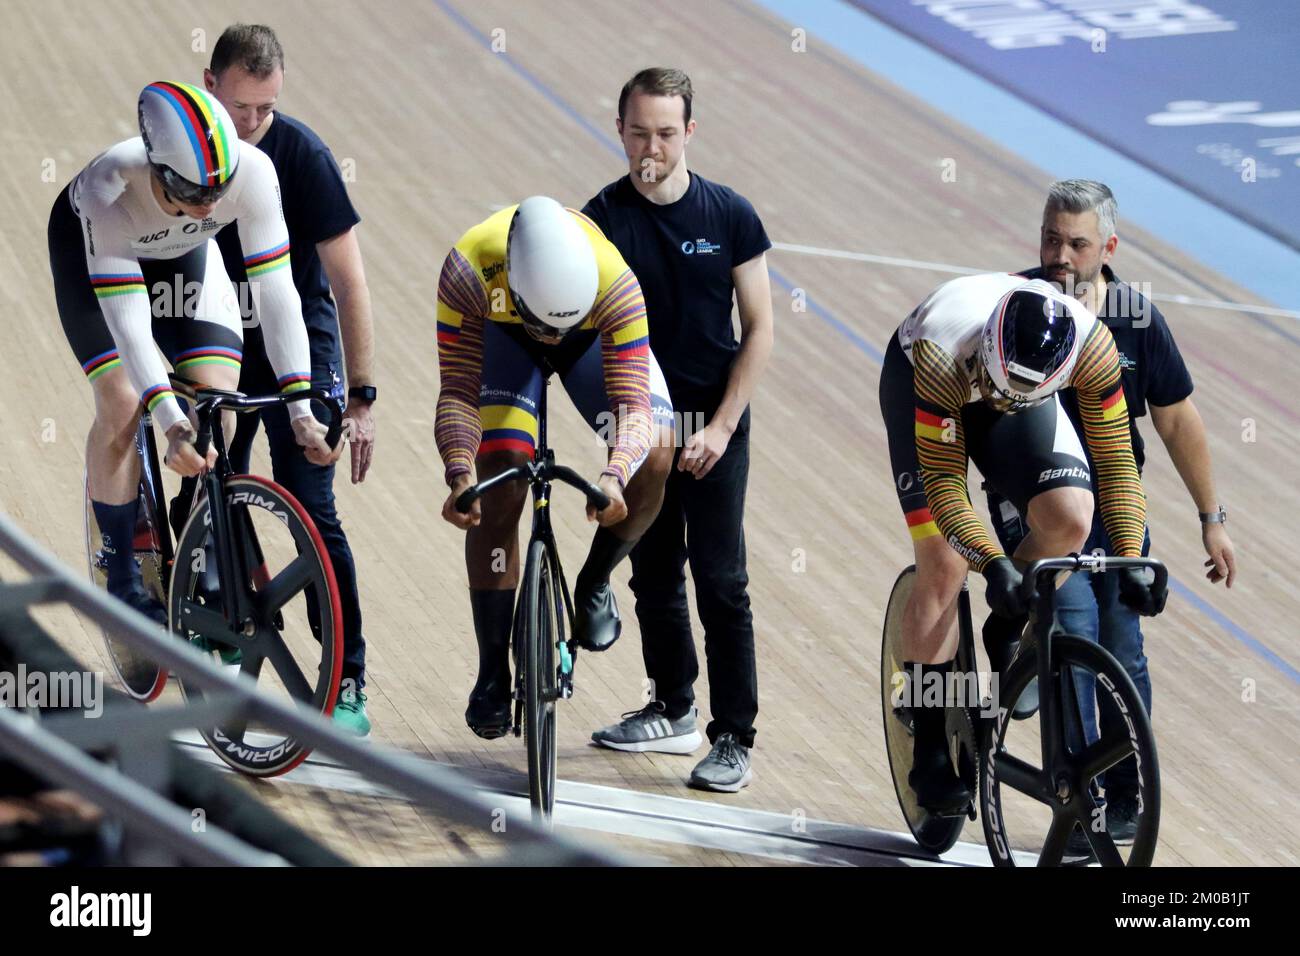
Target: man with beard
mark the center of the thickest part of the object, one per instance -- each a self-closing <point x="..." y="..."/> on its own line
<point x="1077" y="242"/>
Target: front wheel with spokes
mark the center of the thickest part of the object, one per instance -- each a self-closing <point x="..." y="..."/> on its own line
<point x="294" y="622"/>
<point x="1056" y="812"/>
<point x="540" y="633"/>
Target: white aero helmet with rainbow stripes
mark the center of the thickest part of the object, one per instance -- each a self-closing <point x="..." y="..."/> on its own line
<point x="190" y="140"/>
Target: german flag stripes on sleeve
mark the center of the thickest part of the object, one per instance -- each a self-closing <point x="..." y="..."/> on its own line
<point x="462" y="310"/>
<point x="619" y="315"/>
<point x="941" y="390"/>
<point x="1100" y="389"/>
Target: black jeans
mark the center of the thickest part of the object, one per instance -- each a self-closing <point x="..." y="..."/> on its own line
<point x="701" y="520"/>
<point x="312" y="485"/>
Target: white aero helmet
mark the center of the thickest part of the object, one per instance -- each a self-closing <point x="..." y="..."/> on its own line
<point x="1029" y="347"/>
<point x="550" y="268"/>
<point x="190" y="140"/>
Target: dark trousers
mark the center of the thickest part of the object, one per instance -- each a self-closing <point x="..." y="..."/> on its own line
<point x="701" y="520"/>
<point x="312" y="485"/>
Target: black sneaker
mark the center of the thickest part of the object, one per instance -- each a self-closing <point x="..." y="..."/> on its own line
<point x="1122" y="819"/>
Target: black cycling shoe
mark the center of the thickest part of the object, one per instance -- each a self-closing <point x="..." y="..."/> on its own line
<point x="488" y="713"/>
<point x="596" y="624"/>
<point x="138" y="599"/>
<point x="937" y="787"/>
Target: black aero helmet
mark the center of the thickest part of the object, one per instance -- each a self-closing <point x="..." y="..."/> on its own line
<point x="1029" y="346"/>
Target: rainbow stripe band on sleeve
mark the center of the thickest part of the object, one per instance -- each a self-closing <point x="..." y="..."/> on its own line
<point x="209" y="355"/>
<point x="268" y="260"/>
<point x="294" y="382"/>
<point x="107" y="286"/>
<point x="156" y="394"/>
<point x="101" y="363"/>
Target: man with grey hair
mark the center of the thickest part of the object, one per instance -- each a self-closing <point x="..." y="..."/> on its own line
<point x="1077" y="240"/>
<point x="246" y="74"/>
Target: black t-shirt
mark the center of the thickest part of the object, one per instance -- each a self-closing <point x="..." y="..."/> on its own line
<point x="683" y="254"/>
<point x="316" y="208"/>
<point x="1151" y="366"/>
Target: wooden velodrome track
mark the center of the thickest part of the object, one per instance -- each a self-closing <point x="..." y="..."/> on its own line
<point x="441" y="130"/>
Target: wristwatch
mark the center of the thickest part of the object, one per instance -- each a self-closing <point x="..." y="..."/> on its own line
<point x="1214" y="517"/>
<point x="366" y="393"/>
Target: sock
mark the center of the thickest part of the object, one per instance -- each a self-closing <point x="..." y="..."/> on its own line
<point x="607" y="550"/>
<point x="117" y="528"/>
<point x="493" y="616"/>
<point x="928" y="722"/>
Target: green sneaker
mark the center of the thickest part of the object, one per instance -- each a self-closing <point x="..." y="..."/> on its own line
<point x="231" y="656"/>
<point x="350" y="713"/>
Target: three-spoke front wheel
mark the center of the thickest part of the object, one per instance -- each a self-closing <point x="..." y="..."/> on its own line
<point x="1057" y="811"/>
<point x="290" y="639"/>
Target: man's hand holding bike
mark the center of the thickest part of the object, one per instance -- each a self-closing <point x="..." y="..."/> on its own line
<point x="1004" y="584"/>
<point x="459" y="485"/>
<point x="181" y="455"/>
<point x="1137" y="590"/>
<point x="617" y="509"/>
<point x="310" y="435"/>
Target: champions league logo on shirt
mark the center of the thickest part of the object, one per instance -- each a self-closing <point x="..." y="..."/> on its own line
<point x="700" y="247"/>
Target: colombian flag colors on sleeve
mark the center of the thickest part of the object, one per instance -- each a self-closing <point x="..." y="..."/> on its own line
<point x="268" y="260"/>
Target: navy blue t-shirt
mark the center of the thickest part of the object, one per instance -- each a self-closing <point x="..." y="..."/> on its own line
<point x="1151" y="367"/>
<point x="316" y="208"/>
<point x="683" y="254"/>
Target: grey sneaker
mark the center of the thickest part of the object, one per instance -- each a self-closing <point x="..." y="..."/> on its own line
<point x="648" y="729"/>
<point x="726" y="768"/>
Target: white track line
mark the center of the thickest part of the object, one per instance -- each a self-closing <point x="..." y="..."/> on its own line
<point x="665" y="819"/>
<point x="963" y="270"/>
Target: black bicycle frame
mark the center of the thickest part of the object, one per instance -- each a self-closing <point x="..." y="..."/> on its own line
<point x="208" y="405"/>
<point x="1040" y="587"/>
